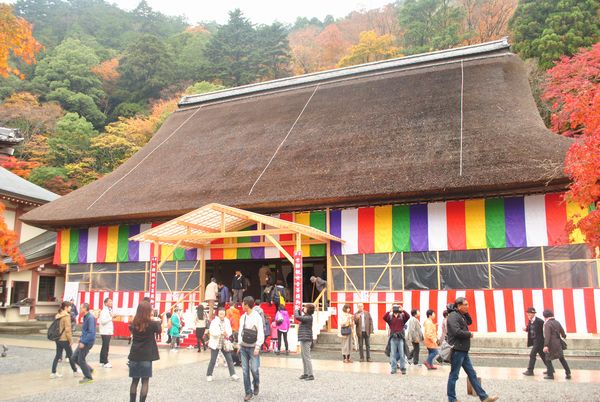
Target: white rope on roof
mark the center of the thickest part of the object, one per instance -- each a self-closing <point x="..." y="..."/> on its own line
<point x="285" y="138"/>
<point x="462" y="90"/>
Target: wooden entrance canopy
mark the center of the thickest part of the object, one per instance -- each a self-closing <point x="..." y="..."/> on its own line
<point x="197" y="229"/>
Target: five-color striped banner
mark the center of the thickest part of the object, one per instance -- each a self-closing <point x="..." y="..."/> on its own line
<point x="492" y="310"/>
<point x="530" y="221"/>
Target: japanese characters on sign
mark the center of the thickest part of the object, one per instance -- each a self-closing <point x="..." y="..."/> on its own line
<point x="153" y="269"/>
<point x="298" y="280"/>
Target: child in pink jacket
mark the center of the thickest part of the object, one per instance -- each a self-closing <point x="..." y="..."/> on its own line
<point x="282" y="320"/>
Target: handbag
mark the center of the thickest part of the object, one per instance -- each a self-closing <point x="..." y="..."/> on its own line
<point x="563" y="344"/>
<point x="446" y="351"/>
<point x="249" y="336"/>
<point x="227" y="345"/>
<point x="345" y="331"/>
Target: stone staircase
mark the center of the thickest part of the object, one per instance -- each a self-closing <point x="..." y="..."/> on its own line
<point x="23" y="328"/>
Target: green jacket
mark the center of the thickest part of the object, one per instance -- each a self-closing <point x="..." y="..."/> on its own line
<point x="175" y="325"/>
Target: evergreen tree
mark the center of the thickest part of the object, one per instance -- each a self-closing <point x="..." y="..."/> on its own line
<point x="548" y="29"/>
<point x="273" y="51"/>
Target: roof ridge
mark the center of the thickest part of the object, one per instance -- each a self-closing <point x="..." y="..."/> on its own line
<point x="322" y="76"/>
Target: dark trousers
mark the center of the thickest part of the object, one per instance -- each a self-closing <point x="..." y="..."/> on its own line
<point x="414" y="353"/>
<point x="199" y="336"/>
<point x="562" y="361"/>
<point x="364" y="338"/>
<point x="537" y="349"/>
<point x="250" y="365"/>
<point x="79" y="357"/>
<point x="283" y="335"/>
<point x="60" y="346"/>
<point x="105" y="347"/>
<point x="263" y="297"/>
<point x="214" y="353"/>
<point x="461" y="359"/>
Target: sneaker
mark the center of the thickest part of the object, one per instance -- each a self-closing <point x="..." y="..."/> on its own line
<point x="86" y="380"/>
<point x="107" y="365"/>
<point x="549" y="377"/>
<point x="310" y="378"/>
<point x="55" y="375"/>
<point x="528" y="373"/>
<point x="248" y="397"/>
<point x="209" y="378"/>
<point x="403" y="371"/>
<point x="235" y="377"/>
<point x="255" y="390"/>
<point x="303" y="376"/>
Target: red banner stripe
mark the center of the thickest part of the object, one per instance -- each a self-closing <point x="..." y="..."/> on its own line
<point x="548" y="300"/>
<point x="456" y="229"/>
<point x="287" y="237"/>
<point x="470" y="295"/>
<point x="366" y="230"/>
<point x="590" y="311"/>
<point x="556" y="219"/>
<point x="509" y="310"/>
<point x="569" y="310"/>
<point x="102" y="243"/>
<point x="490" y="310"/>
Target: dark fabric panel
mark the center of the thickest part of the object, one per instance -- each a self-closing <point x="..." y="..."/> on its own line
<point x="377" y="259"/>
<point x="516" y="254"/>
<point x="132" y="266"/>
<point x="517" y="276"/>
<point x="104" y="281"/>
<point x="104" y="267"/>
<point x="79" y="268"/>
<point x="354" y="260"/>
<point x="568" y="252"/>
<point x="160" y="282"/>
<point x="338" y="279"/>
<point x="458" y="257"/>
<point x="372" y="275"/>
<point x="396" y="278"/>
<point x="192" y="282"/>
<point x="570" y="274"/>
<point x="132" y="282"/>
<point x="425" y="257"/>
<point x="420" y="278"/>
<point x="465" y="277"/>
<point x="356" y="275"/>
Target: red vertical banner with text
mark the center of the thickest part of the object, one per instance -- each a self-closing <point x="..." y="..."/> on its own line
<point x="153" y="272"/>
<point x="298" y="280"/>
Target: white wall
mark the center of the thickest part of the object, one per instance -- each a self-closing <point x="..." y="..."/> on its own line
<point x="9" y="218"/>
<point x="29" y="232"/>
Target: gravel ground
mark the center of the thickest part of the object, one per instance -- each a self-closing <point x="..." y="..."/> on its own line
<point x="187" y="382"/>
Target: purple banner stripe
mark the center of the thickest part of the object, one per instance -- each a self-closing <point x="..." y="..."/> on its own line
<point x="82" y="249"/>
<point x="257" y="253"/>
<point x="335" y="228"/>
<point x="514" y="214"/>
<point x="134" y="246"/>
<point x="419" y="239"/>
<point x="191" y="254"/>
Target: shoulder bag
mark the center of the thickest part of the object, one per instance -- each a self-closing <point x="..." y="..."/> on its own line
<point x="249" y="336"/>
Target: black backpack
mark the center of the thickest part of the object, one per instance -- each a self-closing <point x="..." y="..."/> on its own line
<point x="54" y="332"/>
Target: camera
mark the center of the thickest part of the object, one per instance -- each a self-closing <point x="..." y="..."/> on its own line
<point x="396" y="309"/>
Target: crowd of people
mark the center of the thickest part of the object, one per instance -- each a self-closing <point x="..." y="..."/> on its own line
<point x="240" y="338"/>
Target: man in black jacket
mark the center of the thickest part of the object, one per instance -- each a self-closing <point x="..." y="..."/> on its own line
<point x="535" y="338"/>
<point x="460" y="339"/>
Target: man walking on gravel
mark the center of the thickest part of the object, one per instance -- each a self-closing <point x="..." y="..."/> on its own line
<point x="251" y="338"/>
<point x="460" y="339"/>
<point x="86" y="341"/>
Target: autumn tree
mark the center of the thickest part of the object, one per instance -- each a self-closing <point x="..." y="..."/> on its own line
<point x="16" y="41"/>
<point x="371" y="47"/>
<point x="549" y="29"/>
<point x="8" y="243"/>
<point x="18" y="167"/>
<point x="109" y="76"/>
<point x="304" y="50"/>
<point x="487" y="20"/>
<point x="332" y="46"/>
<point x="573" y="87"/>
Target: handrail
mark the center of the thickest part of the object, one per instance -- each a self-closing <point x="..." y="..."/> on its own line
<point x="320" y="296"/>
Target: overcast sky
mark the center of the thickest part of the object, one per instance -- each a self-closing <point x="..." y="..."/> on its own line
<point x="258" y="11"/>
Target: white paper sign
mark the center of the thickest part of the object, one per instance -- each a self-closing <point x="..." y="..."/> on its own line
<point x="71" y="289"/>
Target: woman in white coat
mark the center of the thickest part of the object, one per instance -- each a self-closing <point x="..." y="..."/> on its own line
<point x="218" y="341"/>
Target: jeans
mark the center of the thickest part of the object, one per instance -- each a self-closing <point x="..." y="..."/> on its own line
<point x="250" y="363"/>
<point x="364" y="338"/>
<point x="461" y="359"/>
<point x="281" y="334"/>
<point x="105" y="347"/>
<point x="397" y="349"/>
<point x="306" y="360"/>
<point x="60" y="346"/>
<point x="537" y="349"/>
<point x="432" y="354"/>
<point x="79" y="356"/>
<point x="214" y="353"/>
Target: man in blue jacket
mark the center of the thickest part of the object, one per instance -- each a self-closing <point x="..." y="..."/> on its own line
<point x="86" y="341"/>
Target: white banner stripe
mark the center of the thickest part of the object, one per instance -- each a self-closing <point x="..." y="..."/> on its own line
<point x="407" y="297"/>
<point x="535" y="220"/>
<point x="144" y="253"/>
<point x="424" y="304"/>
<point x="442" y="298"/>
<point x="437" y="226"/>
<point x="92" y="245"/>
<point x="96" y="302"/>
<point x="519" y="310"/>
<point x="500" y="311"/>
<point x="559" y="306"/>
<point x="580" y="317"/>
<point x="538" y="300"/>
<point x="480" y="310"/>
<point x="350" y="231"/>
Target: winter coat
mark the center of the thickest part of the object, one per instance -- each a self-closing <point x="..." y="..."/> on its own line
<point x="538" y="331"/>
<point x="216" y="333"/>
<point x="233" y="315"/>
<point x="305" y="329"/>
<point x="212" y="291"/>
<point x="143" y="344"/>
<point x="458" y="331"/>
<point x="285" y="324"/>
<point x="175" y="326"/>
<point x="414" y="333"/>
<point x="88" y="330"/>
<point x="553" y="331"/>
<point x="66" y="333"/>
<point x="430" y="336"/>
<point x="105" y="320"/>
<point x="368" y="323"/>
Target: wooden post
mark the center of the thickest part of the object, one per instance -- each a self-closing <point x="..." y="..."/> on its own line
<point x="202" y="274"/>
<point x="328" y="260"/>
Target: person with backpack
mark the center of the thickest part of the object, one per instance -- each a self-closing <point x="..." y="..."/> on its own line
<point x="60" y="332"/>
<point x="278" y="295"/>
<point x="305" y="337"/>
<point x="174" y="331"/>
<point x="86" y="342"/>
<point x="143" y="350"/>
<point x="251" y="338"/>
<point x="106" y="329"/>
<point x="396" y="319"/>
<point x="282" y="319"/>
<point x="554" y="345"/>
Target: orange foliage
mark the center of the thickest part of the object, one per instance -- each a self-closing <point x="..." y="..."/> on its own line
<point x="487" y="20"/>
<point x="17" y="39"/>
<point x="107" y="70"/>
<point x="8" y="243"/>
<point x="332" y="46"/>
<point x="20" y="168"/>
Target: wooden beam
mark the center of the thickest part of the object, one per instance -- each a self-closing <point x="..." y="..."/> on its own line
<point x="280" y="248"/>
<point x="196" y="226"/>
<point x="223" y="222"/>
<point x="225" y="235"/>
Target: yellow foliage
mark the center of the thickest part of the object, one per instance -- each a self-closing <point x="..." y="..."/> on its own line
<point x="16" y="38"/>
<point x="371" y="47"/>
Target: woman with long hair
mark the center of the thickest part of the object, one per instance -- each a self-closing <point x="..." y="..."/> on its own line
<point x="219" y="341"/>
<point x="143" y="350"/>
<point x="347" y="332"/>
<point x="65" y="340"/>
<point x="200" y="327"/>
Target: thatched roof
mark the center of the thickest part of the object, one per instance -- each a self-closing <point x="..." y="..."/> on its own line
<point x="387" y="132"/>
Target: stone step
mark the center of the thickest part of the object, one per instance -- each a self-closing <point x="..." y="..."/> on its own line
<point x="19" y="330"/>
